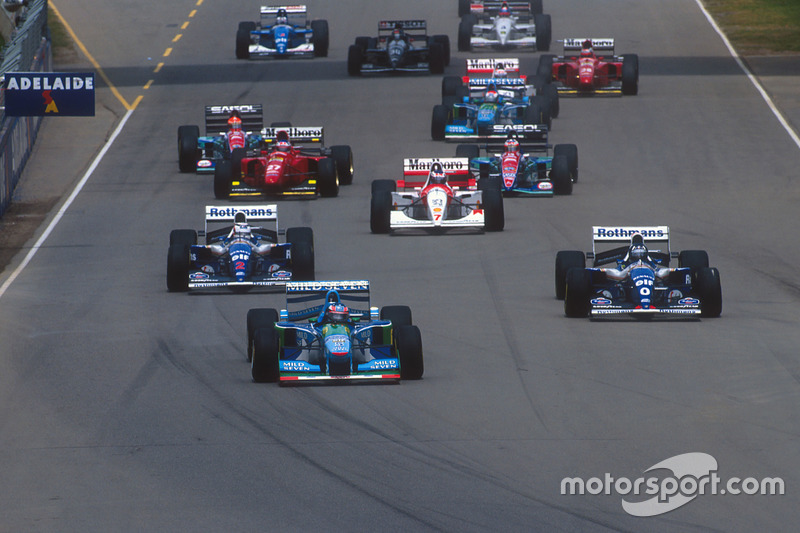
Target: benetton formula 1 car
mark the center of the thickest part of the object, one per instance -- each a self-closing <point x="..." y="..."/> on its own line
<point x="504" y="29"/>
<point x="282" y="168"/>
<point x="433" y="205"/>
<point x="328" y="332"/>
<point x="589" y="67"/>
<point x="238" y="255"/>
<point x="641" y="283"/>
<point x="283" y="31"/>
<point x="401" y="46"/>
<point x="201" y="154"/>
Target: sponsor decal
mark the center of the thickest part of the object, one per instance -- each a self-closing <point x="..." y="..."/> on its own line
<point x="517" y="128"/>
<point x="689" y="301"/>
<point x="198" y="276"/>
<point x="204" y="163"/>
<point x="296" y="133"/>
<point x="455" y="128"/>
<point x="302" y="286"/>
<point x="381" y="364"/>
<point x="226" y="109"/>
<point x="544" y="186"/>
<point x="606" y="233"/>
<point x="229" y="212"/>
<point x="295" y="366"/>
<point x="406" y="24"/>
<point x="281" y="274"/>
<point x="448" y="164"/>
<point x="49" y="94"/>
<point x="601" y="301"/>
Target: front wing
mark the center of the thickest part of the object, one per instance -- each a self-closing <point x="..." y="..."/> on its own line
<point x="242" y="190"/>
<point x="602" y="307"/>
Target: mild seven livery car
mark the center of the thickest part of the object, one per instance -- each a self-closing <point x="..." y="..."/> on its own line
<point x="329" y="331"/>
<point x="436" y="194"/>
<point x="640" y="283"/>
<point x="231" y="130"/>
<point x="237" y="254"/>
<point x="401" y="46"/>
<point x="505" y="28"/>
<point x="589" y="67"/>
<point x="283" y="31"/>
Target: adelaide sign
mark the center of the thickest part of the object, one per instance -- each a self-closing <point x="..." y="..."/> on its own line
<point x="49" y="94"/>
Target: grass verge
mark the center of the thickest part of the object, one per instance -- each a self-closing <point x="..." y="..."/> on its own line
<point x="759" y="27"/>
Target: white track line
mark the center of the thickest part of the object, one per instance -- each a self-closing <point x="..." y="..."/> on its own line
<point x="750" y="76"/>
<point x="72" y="196"/>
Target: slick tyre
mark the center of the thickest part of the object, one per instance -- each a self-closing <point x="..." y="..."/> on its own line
<point x="545" y="67"/>
<point x="300" y="234"/>
<point x="257" y="319"/>
<point x="494" y="216"/>
<point x="544" y="32"/>
<point x="178" y="268"/>
<point x="577" y="293"/>
<point x="709" y="290"/>
<point x="630" y="74"/>
<point x="470" y="151"/>
<point x="242" y="43"/>
<point x="327" y="178"/>
<point x="550" y="94"/>
<point x="490" y="184"/>
<point x="399" y="315"/>
<point x="343" y="156"/>
<point x="560" y="176"/>
<point x="264" y="361"/>
<point x="320" y="37"/>
<point x="236" y="160"/>
<point x="693" y="259"/>
<point x="436" y="61"/>
<point x="363" y="43"/>
<point x="383" y="185"/>
<point x="536" y="7"/>
<point x="534" y="114"/>
<point x="463" y="7"/>
<point x="380" y="209"/>
<point x="439" y="119"/>
<point x="355" y="58"/>
<point x="451" y="85"/>
<point x="186" y="237"/>
<point x="570" y="151"/>
<point x="223" y="179"/>
<point x="443" y="40"/>
<point x="409" y="350"/>
<point x="565" y="261"/>
<point x="187" y="148"/>
<point x="302" y="253"/>
<point x="465" y="34"/>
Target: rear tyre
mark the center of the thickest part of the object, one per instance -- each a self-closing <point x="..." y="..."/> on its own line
<point x="355" y="58"/>
<point x="559" y="175"/>
<point x="185" y="237"/>
<point x="223" y="179"/>
<point x="380" y="208"/>
<point x="463" y="7"/>
<point x="544" y="32"/>
<point x="327" y="178"/>
<point x="450" y="85"/>
<point x="178" y="268"/>
<point x="709" y="290"/>
<point x="319" y="29"/>
<point x="536" y="7"/>
<point x="436" y="61"/>
<point x="439" y="119"/>
<point x="409" y="350"/>
<point x="444" y="40"/>
<point x="236" y="160"/>
<point x="494" y="216"/>
<point x="257" y="319"/>
<point x="343" y="155"/>
<point x="577" y="292"/>
<point x="187" y="148"/>
<point x="570" y="151"/>
<point x="630" y="74"/>
<point x="264" y="361"/>
<point x="470" y="151"/>
<point x="534" y="114"/>
<point x="550" y="93"/>
<point x="242" y="43"/>
<point x="302" y="253"/>
<point x="565" y="261"/>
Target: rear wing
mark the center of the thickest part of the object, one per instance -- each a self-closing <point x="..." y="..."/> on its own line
<point x="603" y="45"/>
<point x="224" y="214"/>
<point x="492" y="7"/>
<point x="508" y="84"/>
<point x="306" y="299"/>
<point x="528" y="135"/>
<point x="621" y="235"/>
<point x="487" y="65"/>
<point x="296" y="15"/>
<point x="415" y="171"/>
<point x="217" y="117"/>
<point x="307" y="134"/>
<point x="414" y="29"/>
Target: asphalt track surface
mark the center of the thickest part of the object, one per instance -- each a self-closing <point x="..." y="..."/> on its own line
<point x="124" y="407"/>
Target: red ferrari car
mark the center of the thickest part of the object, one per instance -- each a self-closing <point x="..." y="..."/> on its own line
<point x="284" y="168"/>
<point x="592" y="68"/>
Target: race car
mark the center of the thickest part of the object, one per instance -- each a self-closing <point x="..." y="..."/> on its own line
<point x="283" y="31"/>
<point x="589" y="67"/>
<point x="282" y="168"/>
<point x="224" y="138"/>
<point x="401" y="46"/>
<point x="436" y="194"/>
<point x="524" y="169"/>
<point x="237" y="254"/>
<point x="503" y="29"/>
<point x="492" y="7"/>
<point x="641" y="283"/>
<point x="330" y="332"/>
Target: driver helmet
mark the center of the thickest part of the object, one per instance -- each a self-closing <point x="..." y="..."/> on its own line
<point x="398" y="34"/>
<point x="235" y="122"/>
<point x="282" y="143"/>
<point x="512" y="145"/>
<point x="437" y="175"/>
<point x="337" y="313"/>
<point x="241" y="229"/>
<point x="500" y="71"/>
<point x="282" y="17"/>
<point x="586" y="48"/>
<point x="491" y="96"/>
<point x="505" y="11"/>
<point x="638" y="252"/>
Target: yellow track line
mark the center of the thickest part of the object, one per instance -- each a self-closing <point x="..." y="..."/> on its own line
<point x="92" y="60"/>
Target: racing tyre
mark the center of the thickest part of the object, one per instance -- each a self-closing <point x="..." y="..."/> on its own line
<point x="319" y="36"/>
<point x="187" y="148"/>
<point x="470" y="151"/>
<point x="490" y="184"/>
<point x="550" y="92"/>
<point x="300" y="234"/>
<point x="185" y="237"/>
<point x="409" y="350"/>
<point x="560" y="176"/>
<point x="302" y="261"/>
<point x="437" y="60"/>
<point x="465" y="34"/>
<point x="577" y="293"/>
<point x="284" y="124"/>
<point x="463" y="7"/>
<point x="343" y="155"/>
<point x="630" y="74"/>
<point x="327" y="179"/>
<point x="380" y="208"/>
<point x="257" y="319"/>
<point x="223" y="178"/>
<point x="450" y="101"/>
<point x="494" y="217"/>
<point x="444" y="40"/>
<point x="178" y="268"/>
<point x="545" y="105"/>
<point x="709" y="290"/>
<point x="363" y="43"/>
<point x="534" y="114"/>
<point x="565" y="261"/>
<point x="544" y="32"/>
<point x="236" y="160"/>
<point x="383" y="185"/>
<point x="536" y="7"/>
<point x="545" y="67"/>
<point x="451" y="85"/>
<point x="441" y="114"/>
<point x="264" y="363"/>
<point x="694" y="259"/>
<point x="242" y="43"/>
<point x="570" y="151"/>
<point x="399" y="315"/>
<point x="355" y="58"/>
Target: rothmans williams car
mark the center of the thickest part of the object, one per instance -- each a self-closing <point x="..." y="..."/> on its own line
<point x="436" y="194"/>
<point x="401" y="46"/>
<point x="589" y="67"/>
<point x="329" y="331"/>
<point x="492" y="7"/>
<point x="282" y="168"/>
<point x="283" y="31"/>
<point x="231" y="130"/>
<point x="503" y="29"/>
<point x="641" y="283"/>
<point x="238" y="255"/>
<point x="524" y="169"/>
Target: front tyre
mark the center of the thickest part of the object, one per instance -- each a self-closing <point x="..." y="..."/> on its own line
<point x="709" y="290"/>
<point x="328" y="178"/>
<point x="630" y="74"/>
<point x="566" y="260"/>
<point x="409" y="350"/>
<point x="264" y="363"/>
<point x="320" y="37"/>
<point x="380" y="209"/>
<point x="494" y="216"/>
<point x="178" y="268"/>
<point x="187" y="148"/>
<point x="577" y="293"/>
<point x="560" y="176"/>
<point x="257" y="319"/>
<point x="355" y="58"/>
<point x="223" y="179"/>
<point x="343" y="155"/>
<point x="439" y="119"/>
